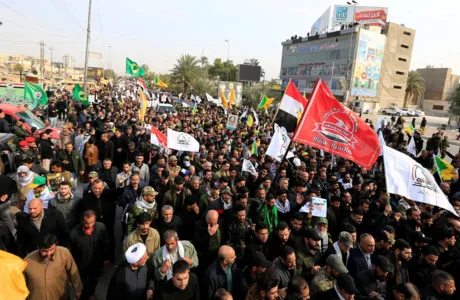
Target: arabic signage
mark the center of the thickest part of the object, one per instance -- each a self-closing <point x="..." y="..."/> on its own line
<point x="369" y="56"/>
<point x="13" y="93"/>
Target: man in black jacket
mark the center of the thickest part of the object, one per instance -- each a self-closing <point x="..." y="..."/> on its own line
<point x="183" y="284"/>
<point x="4" y="126"/>
<point x="46" y="150"/>
<point x="216" y="277"/>
<point x="38" y="222"/>
<point x="360" y="257"/>
<point x="102" y="201"/>
<point x="344" y="289"/>
<point x="372" y="283"/>
<point x="247" y="277"/>
<point x="257" y="241"/>
<point x="89" y="245"/>
<point x="107" y="148"/>
<point x="279" y="238"/>
<point x="442" y="287"/>
<point x="108" y="173"/>
<point x="209" y="236"/>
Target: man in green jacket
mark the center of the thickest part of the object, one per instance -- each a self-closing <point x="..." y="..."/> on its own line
<point x="309" y="256"/>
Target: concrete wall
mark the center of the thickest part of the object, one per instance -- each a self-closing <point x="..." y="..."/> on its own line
<point x="396" y="58"/>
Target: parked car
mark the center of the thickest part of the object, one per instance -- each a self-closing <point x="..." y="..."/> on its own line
<point x="8" y="145"/>
<point x="408" y="112"/>
<point x="392" y="111"/>
<point x="166" y="108"/>
<point x="13" y="111"/>
<point x="419" y="113"/>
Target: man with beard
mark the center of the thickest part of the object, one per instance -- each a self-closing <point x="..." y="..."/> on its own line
<point x="296" y="226"/>
<point x="132" y="279"/>
<point x="189" y="215"/>
<point x="372" y="284"/>
<point x="356" y="219"/>
<point x="195" y="187"/>
<point x="345" y="181"/>
<point x="143" y="234"/>
<point x="175" y="197"/>
<point x="441" y="288"/>
<point x="321" y="228"/>
<point x="173" y="168"/>
<point x="382" y="244"/>
<point x="211" y="196"/>
<point x="422" y="266"/>
<point x="268" y="213"/>
<point x="49" y="271"/>
<point x="168" y="221"/>
<point x="285" y="266"/>
<point x="123" y="177"/>
<point x="309" y="256"/>
<point x="133" y="191"/>
<point x="334" y="217"/>
<point x="108" y="173"/>
<point x="282" y="205"/>
<point x="325" y="279"/>
<point x="279" y="239"/>
<point x="258" y="241"/>
<point x="266" y="287"/>
<point x="172" y="251"/>
<point x="182" y="285"/>
<point x="66" y="203"/>
<point x="38" y="189"/>
<point x="402" y="253"/>
<point x="406" y="229"/>
<point x="107" y="148"/>
<point x="448" y="254"/>
<point x="256" y="203"/>
<point x="223" y="205"/>
<point x="237" y="232"/>
<point x="163" y="184"/>
<point x="144" y="171"/>
<point x="245" y="278"/>
<point x="296" y="196"/>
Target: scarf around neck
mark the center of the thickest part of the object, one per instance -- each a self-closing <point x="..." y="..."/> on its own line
<point x="23" y="181"/>
<point x="165" y="253"/>
<point x="141" y="203"/>
<point x="283" y="208"/>
<point x="267" y="220"/>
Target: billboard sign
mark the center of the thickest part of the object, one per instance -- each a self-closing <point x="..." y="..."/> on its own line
<point x="13" y="93"/>
<point x="95" y="73"/>
<point x="369" y="57"/>
<point x="227" y="86"/>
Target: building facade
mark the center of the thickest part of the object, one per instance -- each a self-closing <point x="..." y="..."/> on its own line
<point x="439" y="85"/>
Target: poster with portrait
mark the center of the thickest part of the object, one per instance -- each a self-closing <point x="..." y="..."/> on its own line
<point x="232" y="122"/>
<point x="319" y="207"/>
<point x="54" y="179"/>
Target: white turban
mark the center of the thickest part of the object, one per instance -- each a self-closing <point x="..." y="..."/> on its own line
<point x="135" y="253"/>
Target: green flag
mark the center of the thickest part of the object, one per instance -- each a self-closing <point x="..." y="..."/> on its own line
<point x="36" y="93"/>
<point x="80" y="95"/>
<point x="133" y="68"/>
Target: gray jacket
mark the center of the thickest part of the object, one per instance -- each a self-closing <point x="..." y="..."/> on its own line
<point x="67" y="207"/>
<point x="282" y="273"/>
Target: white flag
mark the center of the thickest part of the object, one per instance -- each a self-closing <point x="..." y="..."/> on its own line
<point x="407" y="178"/>
<point x="256" y="118"/>
<point x="198" y="99"/>
<point x="411" y="147"/>
<point x="185" y="104"/>
<point x="192" y="97"/>
<point x="180" y="95"/>
<point x="182" y="141"/>
<point x="249" y="167"/>
<point x="211" y="99"/>
<point x="382" y="141"/>
<point x="244" y="114"/>
<point x="279" y="143"/>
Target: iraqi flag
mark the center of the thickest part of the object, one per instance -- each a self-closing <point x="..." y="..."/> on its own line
<point x="158" y="138"/>
<point x="291" y="108"/>
<point x="141" y="83"/>
<point x="332" y="127"/>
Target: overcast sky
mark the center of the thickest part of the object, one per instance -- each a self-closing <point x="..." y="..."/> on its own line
<point x="157" y="32"/>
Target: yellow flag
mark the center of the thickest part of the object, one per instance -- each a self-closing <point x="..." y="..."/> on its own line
<point x="143" y="105"/>
<point x="223" y="99"/>
<point x="232" y="98"/>
<point x="13" y="281"/>
<point x="250" y="121"/>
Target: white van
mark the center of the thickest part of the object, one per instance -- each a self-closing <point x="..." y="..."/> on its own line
<point x="166" y="108"/>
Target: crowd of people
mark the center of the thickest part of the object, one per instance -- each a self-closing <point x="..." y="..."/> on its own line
<point x="195" y="226"/>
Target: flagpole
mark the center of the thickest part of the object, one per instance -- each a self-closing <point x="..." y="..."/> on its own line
<point x="386" y="184"/>
<point x="279" y="167"/>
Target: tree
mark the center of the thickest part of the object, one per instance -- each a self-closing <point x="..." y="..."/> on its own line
<point x="109" y="73"/>
<point x="19" y="68"/>
<point x="204" y="61"/>
<point x="415" y="86"/>
<point x="255" y="62"/>
<point x="223" y="71"/>
<point x="454" y="102"/>
<point x="146" y="68"/>
<point x="185" y="71"/>
<point x="203" y="85"/>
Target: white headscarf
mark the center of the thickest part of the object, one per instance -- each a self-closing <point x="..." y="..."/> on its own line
<point x="24" y="180"/>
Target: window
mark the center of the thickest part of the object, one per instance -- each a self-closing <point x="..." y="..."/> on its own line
<point x="407" y="33"/>
<point x="438" y="107"/>
<point x="398" y="87"/>
<point x="404" y="46"/>
<point x="402" y="59"/>
<point x="399" y="73"/>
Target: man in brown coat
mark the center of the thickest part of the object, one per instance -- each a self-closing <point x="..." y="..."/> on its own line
<point x="48" y="270"/>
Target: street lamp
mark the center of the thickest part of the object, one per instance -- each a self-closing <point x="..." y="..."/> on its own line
<point x="348" y="75"/>
<point x="228" y="55"/>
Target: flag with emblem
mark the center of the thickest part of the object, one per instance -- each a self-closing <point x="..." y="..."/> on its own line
<point x="279" y="143"/>
<point x="250" y="121"/>
<point x="80" y="95"/>
<point x="265" y="102"/>
<point x="249" y="167"/>
<point x="132" y="68"/>
<point x="160" y="83"/>
<point x="407" y="178"/>
<point x="409" y="129"/>
<point x="36" y="93"/>
<point x="445" y="170"/>
<point x="254" y="147"/>
<point x="291" y="108"/>
<point x="182" y="141"/>
<point x="328" y="125"/>
<point x="195" y="109"/>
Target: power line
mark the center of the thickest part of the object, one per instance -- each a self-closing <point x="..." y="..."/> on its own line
<point x="4" y="20"/>
<point x="100" y="25"/>
<point x="64" y="8"/>
<point x="28" y="18"/>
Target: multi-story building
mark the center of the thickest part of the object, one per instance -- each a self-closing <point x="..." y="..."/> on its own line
<point x="439" y="85"/>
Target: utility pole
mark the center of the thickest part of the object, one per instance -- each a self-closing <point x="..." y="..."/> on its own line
<point x="51" y="57"/>
<point x="88" y="33"/>
<point x="42" y="61"/>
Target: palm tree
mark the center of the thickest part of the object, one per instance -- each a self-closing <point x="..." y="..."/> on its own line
<point x="203" y="61"/>
<point x="415" y="86"/>
<point x="185" y="71"/>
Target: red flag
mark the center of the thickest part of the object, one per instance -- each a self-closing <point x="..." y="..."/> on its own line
<point x="157" y="137"/>
<point x="328" y="125"/>
<point x="141" y="83"/>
